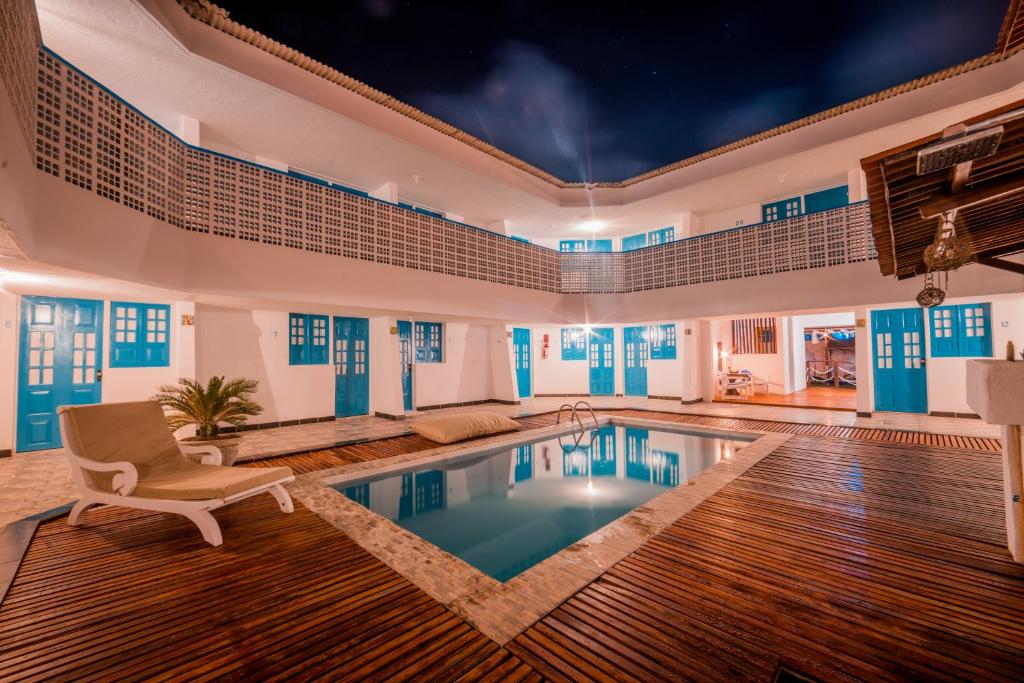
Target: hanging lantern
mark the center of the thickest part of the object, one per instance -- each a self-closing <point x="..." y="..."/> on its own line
<point x="947" y="252"/>
<point x="930" y="296"/>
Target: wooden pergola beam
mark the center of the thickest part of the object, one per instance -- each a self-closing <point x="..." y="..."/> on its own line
<point x="933" y="208"/>
<point x="1001" y="264"/>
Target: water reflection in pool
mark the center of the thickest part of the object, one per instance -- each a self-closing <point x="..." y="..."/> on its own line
<point x="505" y="512"/>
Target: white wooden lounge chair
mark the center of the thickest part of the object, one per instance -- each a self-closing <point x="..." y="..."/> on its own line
<point x="123" y="454"/>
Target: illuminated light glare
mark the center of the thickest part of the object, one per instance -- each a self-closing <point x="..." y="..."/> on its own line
<point x="592" y="226"/>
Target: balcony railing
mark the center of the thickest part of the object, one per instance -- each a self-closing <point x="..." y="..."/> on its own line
<point x="89" y="137"/>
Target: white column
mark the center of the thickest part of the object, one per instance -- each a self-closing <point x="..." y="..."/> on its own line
<point x="189" y="130"/>
<point x="503" y="367"/>
<point x="385" y="368"/>
<point x="857" y="183"/>
<point x="619" y="356"/>
<point x="708" y="361"/>
<point x="687" y="225"/>
<point x="388" y="192"/>
<point x="185" y="347"/>
<point x="696" y="354"/>
<point x="865" y="370"/>
<point x="8" y="368"/>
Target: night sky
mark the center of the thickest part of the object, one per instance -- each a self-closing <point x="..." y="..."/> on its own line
<point x="601" y="91"/>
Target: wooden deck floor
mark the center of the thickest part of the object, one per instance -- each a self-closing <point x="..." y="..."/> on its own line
<point x="844" y="555"/>
<point x="827" y="398"/>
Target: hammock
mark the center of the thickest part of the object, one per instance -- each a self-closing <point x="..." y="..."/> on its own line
<point x="818" y="376"/>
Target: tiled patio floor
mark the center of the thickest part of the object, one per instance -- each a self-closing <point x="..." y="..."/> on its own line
<point x="35" y="482"/>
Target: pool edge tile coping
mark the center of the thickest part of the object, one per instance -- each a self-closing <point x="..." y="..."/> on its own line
<point x="501" y="611"/>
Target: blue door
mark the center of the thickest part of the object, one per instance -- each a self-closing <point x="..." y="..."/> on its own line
<point x="60" y="364"/>
<point x="602" y="363"/>
<point x="521" y="348"/>
<point x="636" y="352"/>
<point x="899" y="363"/>
<point x="405" y="358"/>
<point x="351" y="366"/>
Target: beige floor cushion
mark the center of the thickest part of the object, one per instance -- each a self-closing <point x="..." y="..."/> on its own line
<point x="453" y="428"/>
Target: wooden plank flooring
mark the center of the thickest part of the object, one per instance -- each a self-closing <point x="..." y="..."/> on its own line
<point x="139" y="596"/>
<point x="826" y="398"/>
<point x="847" y="554"/>
<point x="840" y="560"/>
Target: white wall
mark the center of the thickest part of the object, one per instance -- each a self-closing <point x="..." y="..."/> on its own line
<point x="8" y="367"/>
<point x="465" y="373"/>
<point x="254" y="344"/>
<point x="552" y="375"/>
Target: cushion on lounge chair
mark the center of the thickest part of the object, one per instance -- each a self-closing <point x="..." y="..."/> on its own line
<point x="455" y="428"/>
<point x="202" y="482"/>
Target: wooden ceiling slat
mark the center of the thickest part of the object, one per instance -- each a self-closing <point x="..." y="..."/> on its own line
<point x="897" y="193"/>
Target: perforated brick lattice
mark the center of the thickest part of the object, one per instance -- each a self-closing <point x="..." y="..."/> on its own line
<point x="19" y="43"/>
<point x="95" y="141"/>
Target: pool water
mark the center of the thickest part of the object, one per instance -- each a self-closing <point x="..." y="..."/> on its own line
<point x="504" y="512"/>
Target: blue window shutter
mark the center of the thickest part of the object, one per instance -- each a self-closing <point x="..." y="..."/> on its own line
<point x="945" y="331"/>
<point x="574" y="343"/>
<point x="975" y="329"/>
<point x="827" y="199"/>
<point x="786" y="208"/>
<point x="125" y="327"/>
<point x="156" y="337"/>
<point x="435" y="342"/>
<point x="317" y="339"/>
<point x="140" y="335"/>
<point x="297" y="324"/>
<point x="428" y="342"/>
<point x="663" y="341"/>
<point x="634" y="242"/>
<point x="662" y="236"/>
<point x="599" y="245"/>
<point x="572" y="245"/>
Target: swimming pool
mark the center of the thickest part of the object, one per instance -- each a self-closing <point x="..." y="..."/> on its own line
<point x="503" y="512"/>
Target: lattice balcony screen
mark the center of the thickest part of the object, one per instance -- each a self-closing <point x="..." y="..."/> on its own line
<point x="19" y="46"/>
<point x="89" y="138"/>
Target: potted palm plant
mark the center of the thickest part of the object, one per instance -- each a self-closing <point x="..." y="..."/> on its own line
<point x="208" y="407"/>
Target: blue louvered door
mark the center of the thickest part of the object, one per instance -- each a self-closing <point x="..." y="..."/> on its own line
<point x="60" y="363"/>
<point x="635" y="352"/>
<point x="898" y="360"/>
<point x="351" y="366"/>
<point x="602" y="361"/>
<point x="521" y="350"/>
<point x="405" y="359"/>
